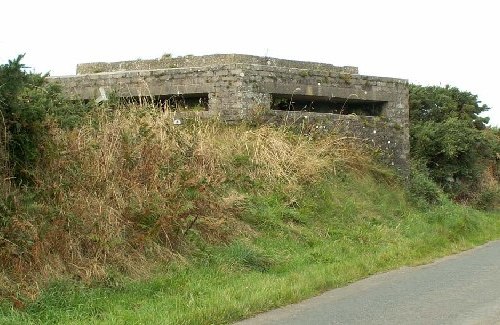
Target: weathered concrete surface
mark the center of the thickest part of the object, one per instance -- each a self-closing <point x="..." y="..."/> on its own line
<point x="461" y="289"/>
<point x="168" y="62"/>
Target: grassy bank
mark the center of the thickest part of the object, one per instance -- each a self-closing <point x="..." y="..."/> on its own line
<point x="134" y="220"/>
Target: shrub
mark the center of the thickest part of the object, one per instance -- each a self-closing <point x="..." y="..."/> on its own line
<point x="488" y="199"/>
<point x="422" y="190"/>
<point x="28" y="102"/>
<point x="23" y="113"/>
<point x="450" y="139"/>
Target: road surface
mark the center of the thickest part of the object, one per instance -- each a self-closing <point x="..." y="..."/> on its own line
<point x="459" y="289"/>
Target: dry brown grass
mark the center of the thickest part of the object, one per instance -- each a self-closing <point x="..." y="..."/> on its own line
<point x="129" y="187"/>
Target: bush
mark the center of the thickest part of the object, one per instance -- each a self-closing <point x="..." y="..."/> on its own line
<point x="23" y="114"/>
<point x="27" y="103"/>
<point x="422" y="190"/>
<point x="450" y="139"/>
<point x="488" y="199"/>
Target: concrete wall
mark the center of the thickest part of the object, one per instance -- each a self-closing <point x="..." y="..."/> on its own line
<point x="238" y="84"/>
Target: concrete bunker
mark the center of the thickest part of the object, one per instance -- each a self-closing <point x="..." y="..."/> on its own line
<point x="232" y="86"/>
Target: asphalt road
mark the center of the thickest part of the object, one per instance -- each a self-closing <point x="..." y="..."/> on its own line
<point x="459" y="289"/>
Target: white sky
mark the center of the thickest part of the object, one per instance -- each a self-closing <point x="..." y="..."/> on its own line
<point x="428" y="42"/>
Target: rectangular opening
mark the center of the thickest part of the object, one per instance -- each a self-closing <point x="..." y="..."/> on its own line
<point x="325" y="104"/>
<point x="173" y="102"/>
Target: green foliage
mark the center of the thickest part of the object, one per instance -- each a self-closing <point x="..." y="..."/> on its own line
<point x="240" y="253"/>
<point x="449" y="149"/>
<point x="435" y="103"/>
<point x="487" y="199"/>
<point x="23" y="112"/>
<point x="422" y="190"/>
<point x="450" y="138"/>
<point x="27" y="103"/>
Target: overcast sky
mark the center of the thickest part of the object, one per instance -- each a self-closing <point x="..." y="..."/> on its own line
<point x="428" y="42"/>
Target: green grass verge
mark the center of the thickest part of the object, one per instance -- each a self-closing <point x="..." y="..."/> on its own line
<point x="336" y="232"/>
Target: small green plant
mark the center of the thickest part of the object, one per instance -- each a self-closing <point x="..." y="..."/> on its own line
<point x="421" y="188"/>
<point x="98" y="69"/>
<point x="304" y="73"/>
<point x="249" y="257"/>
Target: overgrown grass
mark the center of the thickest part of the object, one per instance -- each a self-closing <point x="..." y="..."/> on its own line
<point x="335" y="236"/>
<point x="127" y="188"/>
<point x="139" y="221"/>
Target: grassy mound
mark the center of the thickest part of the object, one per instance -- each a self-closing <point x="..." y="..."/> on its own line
<point x="128" y="186"/>
<point x="134" y="219"/>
